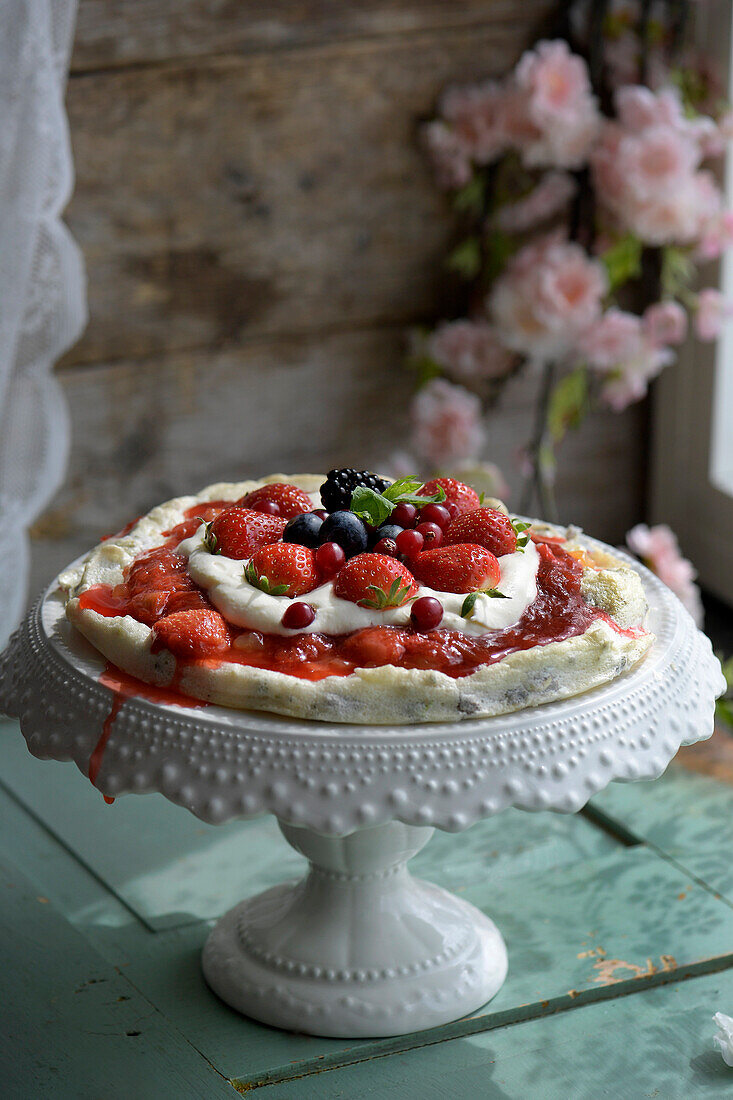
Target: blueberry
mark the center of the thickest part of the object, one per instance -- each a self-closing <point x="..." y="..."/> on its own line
<point x="347" y="530"/>
<point x="304" y="529"/>
<point x="386" y="531"/>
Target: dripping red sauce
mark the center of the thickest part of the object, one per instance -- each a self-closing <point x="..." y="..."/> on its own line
<point x="157" y="584"/>
<point x="126" y="686"/>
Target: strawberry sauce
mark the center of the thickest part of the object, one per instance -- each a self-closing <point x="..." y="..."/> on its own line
<point x="126" y="686"/>
<point x="157" y="584"/>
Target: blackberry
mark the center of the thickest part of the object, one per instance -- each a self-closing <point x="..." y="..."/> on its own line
<point x="339" y="485"/>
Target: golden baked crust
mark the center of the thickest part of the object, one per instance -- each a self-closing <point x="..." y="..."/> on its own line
<point x="385" y="695"/>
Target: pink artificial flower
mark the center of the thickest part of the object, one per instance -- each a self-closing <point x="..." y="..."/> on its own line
<point x="646" y="170"/>
<point x="470" y="351"/>
<point x="551" y="195"/>
<point x="473" y="112"/>
<point x="556" y="99"/>
<point x="446" y="424"/>
<point x="618" y="347"/>
<point x="712" y="311"/>
<point x="717" y="234"/>
<point x="548" y="295"/>
<point x="665" y="323"/>
<point x="611" y="340"/>
<point x="448" y="153"/>
<point x="659" y="550"/>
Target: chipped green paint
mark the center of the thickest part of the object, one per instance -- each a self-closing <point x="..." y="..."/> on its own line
<point x="587" y="918"/>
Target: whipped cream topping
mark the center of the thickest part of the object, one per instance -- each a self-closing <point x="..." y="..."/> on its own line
<point x="244" y="605"/>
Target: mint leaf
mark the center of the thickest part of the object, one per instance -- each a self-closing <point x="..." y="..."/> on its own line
<point x="468" y="605"/>
<point x="406" y="491"/>
<point x="373" y="507"/>
<point x="470" y="601"/>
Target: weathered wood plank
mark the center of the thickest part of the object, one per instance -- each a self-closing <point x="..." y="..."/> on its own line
<point x="577" y="935"/>
<point x="187" y="871"/>
<point x="71" y="1025"/>
<point x="597" y="929"/>
<point x="110" y="33"/>
<point x="687" y="816"/>
<point x="237" y="198"/>
<point x="145" y="431"/>
<point x="656" y="1043"/>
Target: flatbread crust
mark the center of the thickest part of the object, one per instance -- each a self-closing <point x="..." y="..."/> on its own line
<point x="386" y="695"/>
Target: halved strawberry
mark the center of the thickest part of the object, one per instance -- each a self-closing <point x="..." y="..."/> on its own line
<point x="463" y="496"/>
<point x="376" y="581"/>
<point x="238" y="532"/>
<point x="158" y="570"/>
<point x="191" y="634"/>
<point x="291" y="500"/>
<point x="283" y="569"/>
<point x="483" y="527"/>
<point x="374" y="646"/>
<point x="460" y="568"/>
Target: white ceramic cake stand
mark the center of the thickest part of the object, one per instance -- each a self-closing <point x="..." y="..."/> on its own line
<point x="358" y="947"/>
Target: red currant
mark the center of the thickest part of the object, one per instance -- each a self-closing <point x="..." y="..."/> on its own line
<point x="268" y="507"/>
<point x="321" y="513"/>
<point x="298" y="616"/>
<point x="404" y="515"/>
<point x="426" y="613"/>
<point x="386" y="546"/>
<point x="435" y="513"/>
<point x="409" y="543"/>
<point x="431" y="533"/>
<point x="329" y="558"/>
<point x="452" y="509"/>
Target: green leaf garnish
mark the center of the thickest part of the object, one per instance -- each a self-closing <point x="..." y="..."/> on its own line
<point x="370" y="505"/>
<point x="382" y="600"/>
<point x="481" y="497"/>
<point x="470" y="601"/>
<point x="374" y="508"/>
<point x="210" y="541"/>
<point x="521" y="530"/>
<point x="252" y="576"/>
<point x="406" y="490"/>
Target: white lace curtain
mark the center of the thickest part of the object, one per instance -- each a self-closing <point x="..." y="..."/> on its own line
<point x="42" y="285"/>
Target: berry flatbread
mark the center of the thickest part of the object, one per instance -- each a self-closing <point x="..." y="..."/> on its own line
<point x="355" y="599"/>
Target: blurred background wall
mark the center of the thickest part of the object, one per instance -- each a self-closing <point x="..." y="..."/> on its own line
<point x="260" y="229"/>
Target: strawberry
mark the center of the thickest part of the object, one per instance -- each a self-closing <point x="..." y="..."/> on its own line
<point x="463" y="496"/>
<point x="376" y="581"/>
<point x="291" y="500"/>
<point x="238" y="532"/>
<point x="158" y="570"/>
<point x="463" y="567"/>
<point x="374" y="646"/>
<point x="484" y="527"/>
<point x="191" y="634"/>
<point x="283" y="569"/>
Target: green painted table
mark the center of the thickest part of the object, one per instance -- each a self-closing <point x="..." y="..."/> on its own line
<point x="618" y="921"/>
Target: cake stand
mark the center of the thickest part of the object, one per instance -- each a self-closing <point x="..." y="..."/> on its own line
<point x="358" y="947"/>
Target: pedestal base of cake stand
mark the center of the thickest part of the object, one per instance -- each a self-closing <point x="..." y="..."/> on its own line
<point x="358" y="947"/>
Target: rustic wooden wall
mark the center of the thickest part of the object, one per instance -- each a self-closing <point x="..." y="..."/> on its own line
<point x="259" y="229"/>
